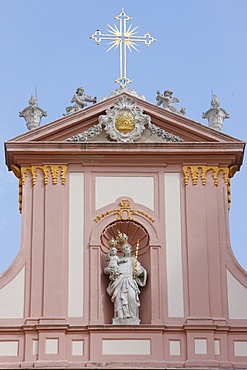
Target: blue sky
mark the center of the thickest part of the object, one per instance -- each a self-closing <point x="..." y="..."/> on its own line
<point x="201" y="48"/>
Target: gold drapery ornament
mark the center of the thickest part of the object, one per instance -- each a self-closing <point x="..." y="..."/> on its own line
<point x="17" y="172"/>
<point x="47" y="169"/>
<point x="194" y="172"/>
<point x="53" y="170"/>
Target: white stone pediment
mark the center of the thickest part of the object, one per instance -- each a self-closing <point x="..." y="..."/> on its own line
<point x="125" y="122"/>
<point x="124" y="118"/>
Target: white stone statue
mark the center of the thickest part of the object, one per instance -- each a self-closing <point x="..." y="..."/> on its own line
<point x="126" y="274"/>
<point x="113" y="259"/>
<point x="215" y="114"/>
<point x="80" y="99"/>
<point x="32" y="114"/>
<point x="166" y="99"/>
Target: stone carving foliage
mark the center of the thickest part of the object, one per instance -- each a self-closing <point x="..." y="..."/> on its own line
<point x="125" y="90"/>
<point x="88" y="134"/>
<point x="167" y="136"/>
<point x="124" y="123"/>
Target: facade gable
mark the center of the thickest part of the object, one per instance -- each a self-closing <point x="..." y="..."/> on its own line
<point x="94" y="130"/>
<point x="124" y="167"/>
<point x="85" y="119"/>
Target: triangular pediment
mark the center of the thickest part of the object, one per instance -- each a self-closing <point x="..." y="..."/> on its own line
<point x="101" y="128"/>
<point x="161" y="120"/>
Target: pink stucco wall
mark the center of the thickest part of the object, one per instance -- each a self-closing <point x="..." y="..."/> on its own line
<point x="202" y="333"/>
<point x="206" y="255"/>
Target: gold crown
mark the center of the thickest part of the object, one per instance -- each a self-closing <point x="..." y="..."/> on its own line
<point x="113" y="243"/>
<point x="121" y="238"/>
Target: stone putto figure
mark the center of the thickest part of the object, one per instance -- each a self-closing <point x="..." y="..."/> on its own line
<point x="80" y="99"/>
<point x="32" y="114"/>
<point x="126" y="274"/>
<point x="113" y="260"/>
<point x="166" y="100"/>
<point x="215" y="114"/>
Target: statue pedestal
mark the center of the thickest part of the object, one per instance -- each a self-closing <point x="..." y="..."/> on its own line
<point x="126" y="321"/>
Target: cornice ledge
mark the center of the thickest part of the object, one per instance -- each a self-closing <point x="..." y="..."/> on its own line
<point x="10" y="145"/>
<point x="238" y="328"/>
<point x="13" y="328"/>
<point x="206" y="323"/>
<point x="137" y="328"/>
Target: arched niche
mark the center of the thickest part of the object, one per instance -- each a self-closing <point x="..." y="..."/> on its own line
<point x="140" y="228"/>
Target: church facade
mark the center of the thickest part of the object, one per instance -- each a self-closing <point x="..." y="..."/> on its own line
<point x="124" y="166"/>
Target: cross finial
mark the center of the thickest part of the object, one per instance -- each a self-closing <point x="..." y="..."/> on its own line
<point x="123" y="38"/>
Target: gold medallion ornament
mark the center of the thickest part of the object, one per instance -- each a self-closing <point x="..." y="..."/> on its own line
<point x="125" y="122"/>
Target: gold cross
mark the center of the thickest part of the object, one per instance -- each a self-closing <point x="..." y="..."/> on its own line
<point x="123" y="38"/>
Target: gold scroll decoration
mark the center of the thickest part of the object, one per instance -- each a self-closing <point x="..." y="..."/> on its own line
<point x="195" y="171"/>
<point x="48" y="170"/>
<point x="125" y="212"/>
